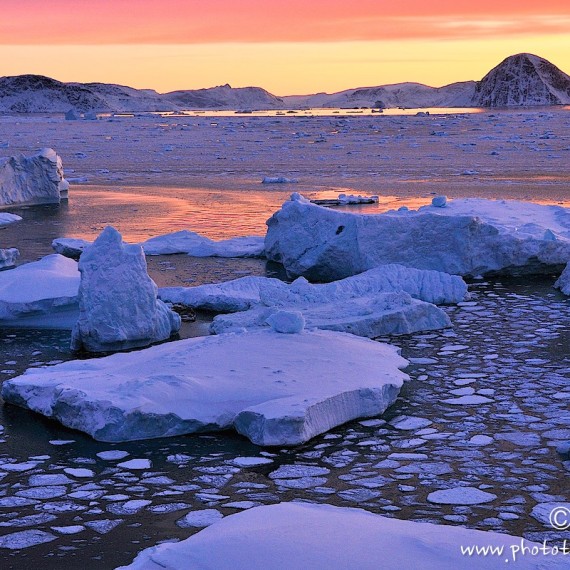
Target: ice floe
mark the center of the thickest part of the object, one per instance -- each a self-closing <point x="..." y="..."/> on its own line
<point x="297" y="536"/>
<point x="467" y="237"/>
<point x="41" y="294"/>
<point x="197" y="245"/>
<point x="390" y="299"/>
<point x="118" y="304"/>
<point x="36" y="179"/>
<point x="461" y="496"/>
<point x="276" y="389"/>
<point x="8" y="257"/>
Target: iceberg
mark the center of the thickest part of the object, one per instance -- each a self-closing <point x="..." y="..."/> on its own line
<point x="246" y="292"/>
<point x="468" y="237"/>
<point x="563" y="282"/>
<point x="390" y="299"/>
<point x="8" y="257"/>
<point x="200" y="246"/>
<point x="36" y="179"/>
<point x="42" y="294"/>
<point x="118" y="304"/>
<point x="6" y="218"/>
<point x="70" y="247"/>
<point x="298" y="536"/>
<point x="370" y="316"/>
<point x="273" y="388"/>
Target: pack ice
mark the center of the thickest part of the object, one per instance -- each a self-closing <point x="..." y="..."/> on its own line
<point x="297" y="536"/>
<point x="36" y="179"/>
<point x="118" y="304"/>
<point x="390" y="299"/>
<point x="275" y="389"/>
<point x="468" y="237"/>
<point x="42" y="294"/>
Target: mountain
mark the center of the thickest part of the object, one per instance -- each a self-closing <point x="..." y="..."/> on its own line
<point x="410" y="95"/>
<point x="224" y="97"/>
<point x="39" y="94"/>
<point x="523" y="79"/>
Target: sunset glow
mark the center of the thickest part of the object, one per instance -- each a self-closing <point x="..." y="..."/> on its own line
<point x="293" y="47"/>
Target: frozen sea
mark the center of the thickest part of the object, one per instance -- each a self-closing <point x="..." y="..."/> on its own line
<point x="487" y="406"/>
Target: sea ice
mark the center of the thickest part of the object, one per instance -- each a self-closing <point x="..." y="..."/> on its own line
<point x="563" y="282"/>
<point x="297" y="536"/>
<point x="200" y="519"/>
<point x="460" y="496"/>
<point x="41" y="294"/>
<point x="467" y="237"/>
<point x="118" y="304"/>
<point x="276" y="389"/>
<point x="36" y="179"/>
<point x="25" y="539"/>
<point x="8" y="257"/>
<point x="196" y="245"/>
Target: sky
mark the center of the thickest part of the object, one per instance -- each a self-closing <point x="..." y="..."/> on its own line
<point x="288" y="46"/>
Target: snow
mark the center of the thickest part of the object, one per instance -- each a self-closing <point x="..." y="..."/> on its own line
<point x="36" y="179"/>
<point x="297" y="536"/>
<point x="276" y="389"/>
<point x="196" y="245"/>
<point x="469" y="237"/>
<point x="41" y="294"/>
<point x="118" y="304"/>
<point x="563" y="282"/>
<point x="8" y="257"/>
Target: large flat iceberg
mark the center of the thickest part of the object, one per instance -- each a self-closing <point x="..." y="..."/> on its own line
<point x="42" y="294"/>
<point x="118" y="304"/>
<point x="275" y="389"/>
<point x="468" y="237"/>
<point x="301" y="536"/>
<point x="36" y="179"/>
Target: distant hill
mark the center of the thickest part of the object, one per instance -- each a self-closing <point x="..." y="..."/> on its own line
<point x="523" y="79"/>
<point x="519" y="80"/>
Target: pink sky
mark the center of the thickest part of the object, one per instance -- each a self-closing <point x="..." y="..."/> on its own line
<point x="210" y="21"/>
<point x="290" y="46"/>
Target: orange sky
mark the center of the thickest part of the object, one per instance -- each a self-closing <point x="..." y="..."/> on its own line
<point x="294" y="46"/>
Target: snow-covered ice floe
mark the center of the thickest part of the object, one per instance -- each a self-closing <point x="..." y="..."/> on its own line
<point x="275" y="389"/>
<point x="118" y="304"/>
<point x="200" y="246"/>
<point x="7" y="218"/>
<point x="8" y="257"/>
<point x="298" y="536"/>
<point x="468" y="237"/>
<point x="36" y="179"/>
<point x="390" y="299"/>
<point x="42" y="294"/>
<point x="183" y="241"/>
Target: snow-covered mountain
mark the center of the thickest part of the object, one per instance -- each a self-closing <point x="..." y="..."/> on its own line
<point x="225" y="97"/>
<point x="410" y="95"/>
<point x="523" y="79"/>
